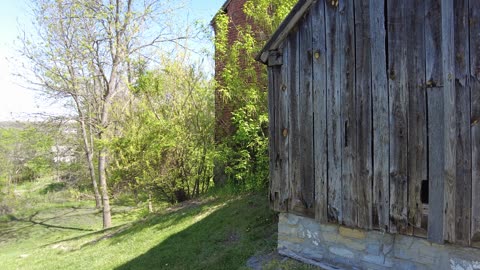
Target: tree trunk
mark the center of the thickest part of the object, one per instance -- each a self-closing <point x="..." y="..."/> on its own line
<point x="102" y="161"/>
<point x="89" y="155"/>
<point x="150" y="204"/>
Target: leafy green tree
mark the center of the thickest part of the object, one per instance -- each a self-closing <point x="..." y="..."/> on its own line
<point x="166" y="146"/>
<point x="242" y="84"/>
<point x="25" y="154"/>
<point x="82" y="52"/>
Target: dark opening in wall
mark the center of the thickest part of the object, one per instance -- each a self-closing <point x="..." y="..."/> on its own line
<point x="424" y="192"/>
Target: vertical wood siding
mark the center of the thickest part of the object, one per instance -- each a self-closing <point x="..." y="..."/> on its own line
<point x="319" y="74"/>
<point x="417" y="115"/>
<point x="474" y="38"/>
<point x="435" y="116"/>
<point x="380" y="124"/>
<point x="375" y="117"/>
<point x="334" y="108"/>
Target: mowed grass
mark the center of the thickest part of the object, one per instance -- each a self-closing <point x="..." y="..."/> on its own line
<point x="213" y="233"/>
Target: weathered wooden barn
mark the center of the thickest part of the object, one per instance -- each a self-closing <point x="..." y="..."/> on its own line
<point x="374" y="110"/>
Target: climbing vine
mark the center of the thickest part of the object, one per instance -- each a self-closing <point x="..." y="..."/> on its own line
<point x="242" y="84"/>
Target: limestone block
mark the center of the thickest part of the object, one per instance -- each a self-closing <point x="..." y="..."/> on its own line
<point x="352" y="233"/>
<point x="292" y="219"/>
<point x="342" y="252"/>
<point x="378" y="260"/>
<point x="351" y="243"/>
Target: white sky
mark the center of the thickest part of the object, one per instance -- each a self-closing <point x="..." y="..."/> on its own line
<point x="18" y="103"/>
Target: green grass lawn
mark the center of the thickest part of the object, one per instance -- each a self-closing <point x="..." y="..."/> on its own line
<point x="50" y="230"/>
<point x="214" y="233"/>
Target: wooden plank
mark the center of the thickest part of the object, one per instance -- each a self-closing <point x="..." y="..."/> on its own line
<point x="349" y="125"/>
<point x="475" y="117"/>
<point x="282" y="160"/>
<point x="320" y="109"/>
<point x="461" y="135"/>
<point x="363" y="114"/>
<point x="417" y="114"/>
<point x="398" y="102"/>
<point x="449" y="118"/>
<point x="434" y="78"/>
<point x="334" y="123"/>
<point x="296" y="204"/>
<point x="305" y="117"/>
<point x="274" y="177"/>
<point x="381" y="193"/>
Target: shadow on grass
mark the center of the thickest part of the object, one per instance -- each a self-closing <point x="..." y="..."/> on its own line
<point x="17" y="227"/>
<point x="223" y="239"/>
<point x="53" y="187"/>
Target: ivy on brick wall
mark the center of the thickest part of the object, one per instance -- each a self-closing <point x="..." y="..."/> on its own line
<point x="242" y="84"/>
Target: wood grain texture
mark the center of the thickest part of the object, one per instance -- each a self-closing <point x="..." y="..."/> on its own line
<point x="398" y="102"/>
<point x="295" y="167"/>
<point x="275" y="184"/>
<point x="381" y="193"/>
<point x="282" y="124"/>
<point x="348" y="118"/>
<point x="274" y="176"/>
<point x="363" y="115"/>
<point x="305" y="117"/>
<point x="334" y="108"/>
<point x="417" y="114"/>
<point x="449" y="118"/>
<point x="320" y="109"/>
<point x="462" y="139"/>
<point x="474" y="26"/>
<point x="434" y="82"/>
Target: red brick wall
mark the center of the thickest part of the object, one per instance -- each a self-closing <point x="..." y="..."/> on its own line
<point x="223" y="111"/>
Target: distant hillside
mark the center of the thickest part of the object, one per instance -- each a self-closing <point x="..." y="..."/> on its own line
<point x="13" y="124"/>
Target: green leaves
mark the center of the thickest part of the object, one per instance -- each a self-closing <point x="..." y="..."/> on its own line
<point x="166" y="147"/>
<point x="242" y="86"/>
<point x="25" y="154"/>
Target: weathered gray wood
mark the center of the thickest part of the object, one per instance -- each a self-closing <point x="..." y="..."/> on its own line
<point x="434" y="79"/>
<point x="381" y="193"/>
<point x="295" y="172"/>
<point x="320" y="109"/>
<point x="475" y="117"/>
<point x="363" y="114"/>
<point x="275" y="59"/>
<point x="334" y="123"/>
<point x="398" y="102"/>
<point x="274" y="177"/>
<point x="305" y="117"/>
<point x="461" y="136"/>
<point x="448" y="59"/>
<point x="282" y="125"/>
<point x="349" y="124"/>
<point x="417" y="121"/>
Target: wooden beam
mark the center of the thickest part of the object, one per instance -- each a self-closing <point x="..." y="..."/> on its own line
<point x="434" y="83"/>
<point x="417" y="114"/>
<point x="334" y="108"/>
<point x="474" y="26"/>
<point x="363" y="113"/>
<point x="284" y="29"/>
<point x="398" y="97"/>
<point x="381" y="193"/>
<point x="320" y="109"/>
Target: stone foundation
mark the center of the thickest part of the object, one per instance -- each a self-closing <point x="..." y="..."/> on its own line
<point x="337" y="247"/>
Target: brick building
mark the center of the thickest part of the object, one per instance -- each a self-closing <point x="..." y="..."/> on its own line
<point x="223" y="110"/>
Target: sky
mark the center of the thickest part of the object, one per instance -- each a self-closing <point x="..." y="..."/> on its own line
<point x="19" y="103"/>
